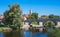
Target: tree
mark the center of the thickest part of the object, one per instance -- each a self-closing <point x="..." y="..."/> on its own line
<point x="34" y="23"/>
<point x="49" y="25"/>
<point x="13" y="16"/>
<point x="54" y="33"/>
<point x="53" y="16"/>
<point x="34" y="16"/>
<point x="44" y="16"/>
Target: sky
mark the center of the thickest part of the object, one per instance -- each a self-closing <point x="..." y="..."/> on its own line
<point x="42" y="7"/>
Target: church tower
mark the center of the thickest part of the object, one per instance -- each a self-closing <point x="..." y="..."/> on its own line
<point x="30" y="12"/>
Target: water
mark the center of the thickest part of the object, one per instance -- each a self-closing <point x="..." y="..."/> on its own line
<point x="34" y="34"/>
<point x="23" y="34"/>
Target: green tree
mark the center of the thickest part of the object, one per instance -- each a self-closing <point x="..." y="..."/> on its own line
<point x="53" y="16"/>
<point x="34" y="23"/>
<point x="54" y="33"/>
<point x="44" y="16"/>
<point x="13" y="16"/>
<point x="34" y="15"/>
<point x="49" y="25"/>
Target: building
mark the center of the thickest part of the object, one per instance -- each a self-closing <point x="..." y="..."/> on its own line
<point x="1" y="16"/>
<point x="1" y="19"/>
<point x="26" y="16"/>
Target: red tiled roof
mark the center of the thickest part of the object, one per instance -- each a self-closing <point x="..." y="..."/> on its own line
<point x="1" y="16"/>
<point x="26" y="15"/>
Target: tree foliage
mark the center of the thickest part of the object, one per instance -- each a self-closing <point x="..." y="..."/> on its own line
<point x="50" y="16"/>
<point x="53" y="16"/>
<point x="49" y="25"/>
<point x="44" y="16"/>
<point x="13" y="16"/>
<point x="54" y="33"/>
<point x="34" y="16"/>
<point x="34" y="23"/>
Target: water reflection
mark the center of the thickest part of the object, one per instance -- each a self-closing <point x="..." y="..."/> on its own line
<point x="39" y="34"/>
<point x="23" y="34"/>
<point x="27" y="33"/>
<point x="1" y="34"/>
<point x="13" y="34"/>
<point x="34" y="34"/>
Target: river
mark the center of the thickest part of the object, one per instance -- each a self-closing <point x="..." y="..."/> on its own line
<point x="23" y="34"/>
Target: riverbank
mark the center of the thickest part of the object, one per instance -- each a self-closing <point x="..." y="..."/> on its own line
<point x="5" y="29"/>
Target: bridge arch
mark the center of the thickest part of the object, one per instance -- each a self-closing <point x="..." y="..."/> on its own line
<point x="49" y="23"/>
<point x="42" y="22"/>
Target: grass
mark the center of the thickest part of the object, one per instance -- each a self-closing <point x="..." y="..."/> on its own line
<point x="2" y="28"/>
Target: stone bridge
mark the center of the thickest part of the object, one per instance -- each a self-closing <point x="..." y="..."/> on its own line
<point x="41" y="22"/>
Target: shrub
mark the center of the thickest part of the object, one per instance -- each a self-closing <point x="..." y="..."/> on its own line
<point x="54" y="33"/>
<point x="34" y="23"/>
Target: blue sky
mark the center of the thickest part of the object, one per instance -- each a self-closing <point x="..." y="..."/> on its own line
<point x="42" y="7"/>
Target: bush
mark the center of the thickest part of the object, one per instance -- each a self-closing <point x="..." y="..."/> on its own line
<point x="54" y="33"/>
<point x="3" y="26"/>
<point x="34" y="23"/>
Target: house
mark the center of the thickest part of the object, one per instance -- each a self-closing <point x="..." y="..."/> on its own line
<point x="26" y="16"/>
<point x="1" y="16"/>
<point x="1" y="19"/>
